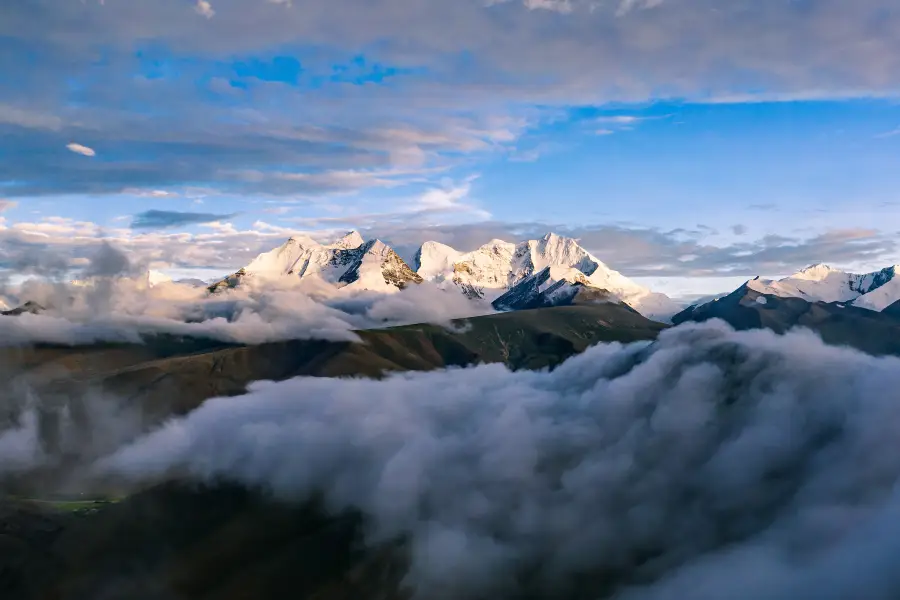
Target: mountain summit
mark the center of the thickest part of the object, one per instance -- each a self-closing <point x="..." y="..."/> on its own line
<point x="348" y="262"/>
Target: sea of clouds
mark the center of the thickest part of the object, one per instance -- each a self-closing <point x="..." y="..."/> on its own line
<point x="710" y="464"/>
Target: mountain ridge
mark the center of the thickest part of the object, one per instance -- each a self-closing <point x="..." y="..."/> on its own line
<point x="488" y="272"/>
<point x="820" y="282"/>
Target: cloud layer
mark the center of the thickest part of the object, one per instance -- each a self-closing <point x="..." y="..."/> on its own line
<point x="50" y="246"/>
<point x="383" y="86"/>
<point x="712" y="464"/>
<point x="114" y="302"/>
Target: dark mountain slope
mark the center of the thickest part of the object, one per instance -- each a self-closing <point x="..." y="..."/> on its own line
<point x="172" y="375"/>
<point x="745" y="308"/>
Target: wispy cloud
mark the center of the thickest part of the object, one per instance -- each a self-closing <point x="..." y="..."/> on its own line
<point x="163" y="219"/>
<point x="27" y="118"/>
<point x="7" y="204"/>
<point x="891" y="133"/>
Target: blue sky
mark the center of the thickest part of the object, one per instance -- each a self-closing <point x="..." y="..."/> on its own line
<point x="690" y="144"/>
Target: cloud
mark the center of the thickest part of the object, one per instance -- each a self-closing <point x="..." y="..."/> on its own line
<point x="162" y="219"/>
<point x="205" y="9"/>
<point x="626" y="6"/>
<point x="29" y="119"/>
<point x="621" y="119"/>
<point x="112" y="300"/>
<point x="82" y="150"/>
<point x="656" y="252"/>
<point x="711" y="464"/>
<point x="441" y="97"/>
<point x="560" y="6"/>
<point x="7" y="204"/>
<point x="108" y="261"/>
<point x="887" y="134"/>
<point x="739" y="229"/>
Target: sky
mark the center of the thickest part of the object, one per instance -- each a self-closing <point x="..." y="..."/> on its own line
<point x="689" y="144"/>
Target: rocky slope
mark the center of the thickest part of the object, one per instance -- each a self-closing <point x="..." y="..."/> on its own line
<point x="752" y="306"/>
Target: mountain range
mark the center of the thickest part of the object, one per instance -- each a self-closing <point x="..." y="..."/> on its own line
<point x="550" y="271"/>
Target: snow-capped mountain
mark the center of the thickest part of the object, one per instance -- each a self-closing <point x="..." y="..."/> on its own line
<point x="350" y="262"/>
<point x="821" y="283"/>
<point x="554" y="268"/>
<point x="498" y="267"/>
<point x="552" y="286"/>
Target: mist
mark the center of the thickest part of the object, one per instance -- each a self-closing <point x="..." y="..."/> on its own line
<point x="123" y="308"/>
<point x="710" y="464"/>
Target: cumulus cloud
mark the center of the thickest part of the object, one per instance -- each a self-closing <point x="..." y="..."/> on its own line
<point x="82" y="150"/>
<point x="711" y="464"/>
<point x="162" y="219"/>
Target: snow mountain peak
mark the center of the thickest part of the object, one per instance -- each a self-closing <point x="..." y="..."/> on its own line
<point x="816" y="272"/>
<point x="351" y="240"/>
<point x="349" y="262"/>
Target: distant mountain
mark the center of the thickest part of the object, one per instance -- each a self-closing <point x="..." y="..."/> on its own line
<point x="192" y="282"/>
<point x="821" y="283"/>
<point x="350" y="262"/>
<point x="498" y="267"/>
<point x="754" y="306"/>
<point x="816" y="284"/>
<point x="29" y="307"/>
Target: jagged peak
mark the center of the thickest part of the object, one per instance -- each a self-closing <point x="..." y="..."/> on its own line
<point x="375" y="246"/>
<point x="352" y="239"/>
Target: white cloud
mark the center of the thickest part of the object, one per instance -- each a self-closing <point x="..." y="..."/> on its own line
<point x="620" y="119"/>
<point x="7" y="204"/>
<point x="626" y="6"/>
<point x="80" y="149"/>
<point x="560" y="6"/>
<point x="22" y="117"/>
<point x="150" y="193"/>
<point x="887" y="134"/>
<point x="204" y="8"/>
